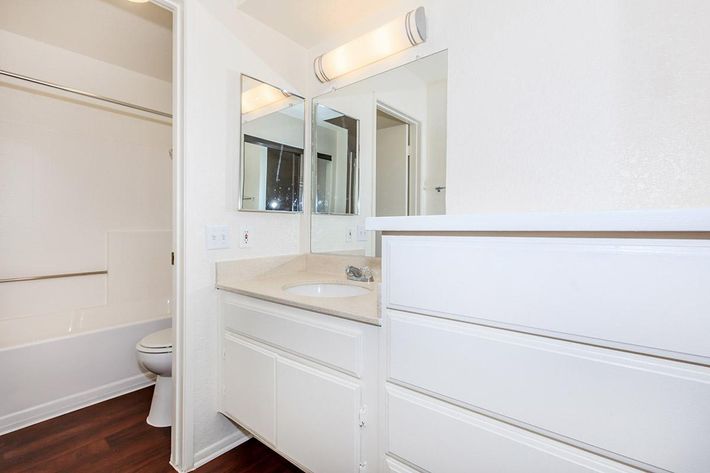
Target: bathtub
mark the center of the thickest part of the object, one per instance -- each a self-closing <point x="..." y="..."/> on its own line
<point x="73" y="360"/>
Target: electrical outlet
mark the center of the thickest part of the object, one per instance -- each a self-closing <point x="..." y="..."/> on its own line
<point x="349" y="235"/>
<point x="361" y="233"/>
<point x="245" y="237"/>
<point x="217" y="237"/>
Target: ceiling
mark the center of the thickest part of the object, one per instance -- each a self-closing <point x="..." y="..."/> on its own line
<point x="309" y="22"/>
<point x="135" y="36"/>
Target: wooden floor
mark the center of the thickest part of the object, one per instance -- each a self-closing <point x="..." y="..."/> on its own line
<point x="113" y="437"/>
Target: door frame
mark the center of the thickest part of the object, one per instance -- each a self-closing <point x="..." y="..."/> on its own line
<point x="181" y="445"/>
<point x="413" y="164"/>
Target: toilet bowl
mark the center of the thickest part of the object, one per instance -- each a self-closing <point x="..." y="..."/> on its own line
<point x="155" y="353"/>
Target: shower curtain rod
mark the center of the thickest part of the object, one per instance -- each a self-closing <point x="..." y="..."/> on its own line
<point x="85" y="94"/>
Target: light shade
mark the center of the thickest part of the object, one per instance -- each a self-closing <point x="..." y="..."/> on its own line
<point x="390" y="38"/>
<point x="261" y="96"/>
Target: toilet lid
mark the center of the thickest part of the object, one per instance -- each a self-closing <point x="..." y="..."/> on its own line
<point x="159" y="339"/>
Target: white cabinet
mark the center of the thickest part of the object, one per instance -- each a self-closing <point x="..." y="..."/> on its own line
<point x="318" y="418"/>
<point x="642" y="295"/>
<point x="545" y="354"/>
<point x="572" y="390"/>
<point x="440" y="437"/>
<point x="249" y="388"/>
<point x="301" y="381"/>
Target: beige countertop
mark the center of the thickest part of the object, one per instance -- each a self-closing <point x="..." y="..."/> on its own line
<point x="266" y="278"/>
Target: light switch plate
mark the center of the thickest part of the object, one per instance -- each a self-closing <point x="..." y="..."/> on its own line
<point x="361" y="233"/>
<point x="217" y="237"/>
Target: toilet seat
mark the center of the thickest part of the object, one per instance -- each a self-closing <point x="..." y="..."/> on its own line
<point x="158" y="342"/>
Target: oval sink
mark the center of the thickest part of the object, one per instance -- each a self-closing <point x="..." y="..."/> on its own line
<point x="327" y="290"/>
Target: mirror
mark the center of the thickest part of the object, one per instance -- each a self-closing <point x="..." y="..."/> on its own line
<point x="396" y="165"/>
<point x="335" y="169"/>
<point x="272" y="142"/>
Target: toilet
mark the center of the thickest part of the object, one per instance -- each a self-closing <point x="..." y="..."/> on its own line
<point x="155" y="353"/>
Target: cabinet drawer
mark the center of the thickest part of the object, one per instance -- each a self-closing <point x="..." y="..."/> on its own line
<point x="249" y="387"/>
<point x="591" y="288"/>
<point x="306" y="334"/>
<point x="441" y="438"/>
<point x="650" y="410"/>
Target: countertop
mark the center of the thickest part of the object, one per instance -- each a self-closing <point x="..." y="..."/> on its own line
<point x="270" y="275"/>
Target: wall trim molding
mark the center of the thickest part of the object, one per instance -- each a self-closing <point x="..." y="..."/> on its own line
<point x="218" y="448"/>
<point x="73" y="402"/>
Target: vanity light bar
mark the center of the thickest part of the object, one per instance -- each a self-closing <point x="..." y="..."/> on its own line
<point x="261" y="96"/>
<point x="397" y="35"/>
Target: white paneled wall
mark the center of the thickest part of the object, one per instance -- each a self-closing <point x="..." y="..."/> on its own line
<point x="72" y="171"/>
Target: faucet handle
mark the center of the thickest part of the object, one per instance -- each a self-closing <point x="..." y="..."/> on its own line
<point x="367" y="274"/>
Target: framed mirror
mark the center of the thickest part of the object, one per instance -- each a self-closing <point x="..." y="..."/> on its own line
<point x="335" y="162"/>
<point x="272" y="144"/>
<point x="400" y="160"/>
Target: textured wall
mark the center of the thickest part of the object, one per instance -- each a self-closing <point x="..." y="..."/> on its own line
<point x="579" y="105"/>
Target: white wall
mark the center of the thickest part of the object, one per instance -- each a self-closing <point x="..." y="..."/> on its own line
<point x="220" y="44"/>
<point x="77" y="175"/>
<point x="567" y="105"/>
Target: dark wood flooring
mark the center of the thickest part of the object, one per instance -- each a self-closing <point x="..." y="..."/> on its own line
<point x="113" y="437"/>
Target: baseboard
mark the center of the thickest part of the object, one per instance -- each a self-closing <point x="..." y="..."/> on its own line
<point x="218" y="448"/>
<point x="55" y="408"/>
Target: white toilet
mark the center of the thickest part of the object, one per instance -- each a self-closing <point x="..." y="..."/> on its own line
<point x="155" y="353"/>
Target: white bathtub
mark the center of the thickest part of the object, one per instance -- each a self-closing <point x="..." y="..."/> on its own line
<point x="83" y="363"/>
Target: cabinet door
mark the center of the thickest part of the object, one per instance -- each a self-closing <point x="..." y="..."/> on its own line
<point x="248" y="378"/>
<point x="318" y="418"/>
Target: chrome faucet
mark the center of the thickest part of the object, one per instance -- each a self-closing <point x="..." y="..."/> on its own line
<point x="359" y="274"/>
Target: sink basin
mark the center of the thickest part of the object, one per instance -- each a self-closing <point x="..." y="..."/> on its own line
<point x="327" y="290"/>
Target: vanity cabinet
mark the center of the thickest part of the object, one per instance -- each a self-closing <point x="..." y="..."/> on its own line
<point x="318" y="418"/>
<point x="302" y="382"/>
<point x="545" y="354"/>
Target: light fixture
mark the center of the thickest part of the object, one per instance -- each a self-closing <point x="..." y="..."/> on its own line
<point x="139" y="1"/>
<point x="261" y="96"/>
<point x="390" y="38"/>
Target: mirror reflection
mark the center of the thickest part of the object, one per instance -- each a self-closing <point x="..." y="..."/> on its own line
<point x="335" y="171"/>
<point x="272" y="142"/>
<point x="400" y="160"/>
